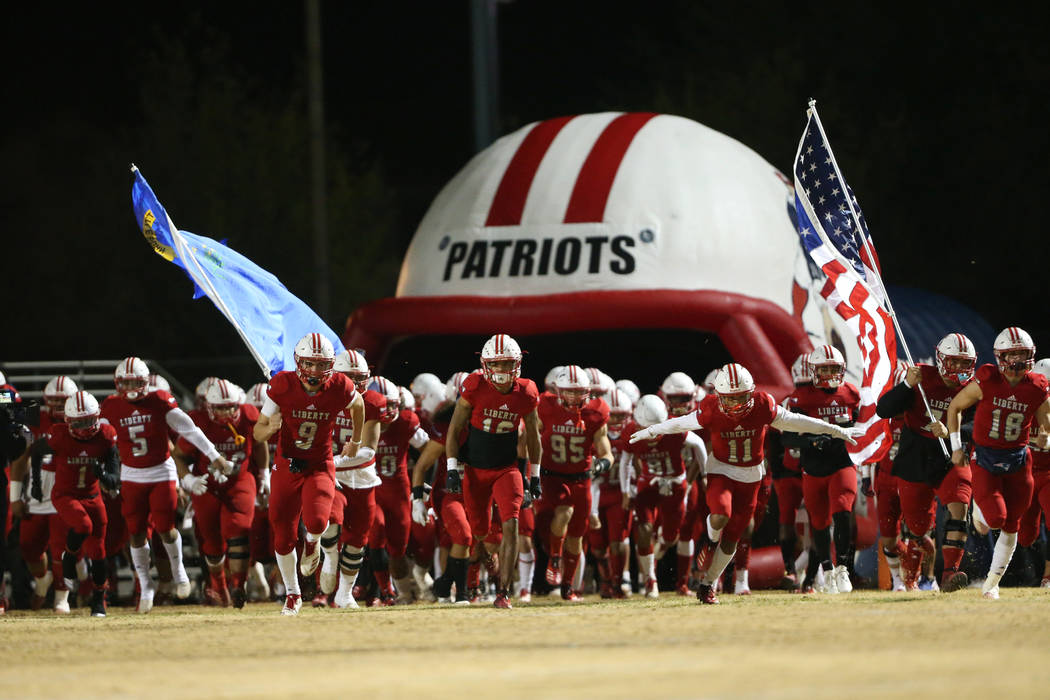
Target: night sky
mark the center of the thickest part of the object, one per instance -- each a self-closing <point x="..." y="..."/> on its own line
<point x="938" y="119"/>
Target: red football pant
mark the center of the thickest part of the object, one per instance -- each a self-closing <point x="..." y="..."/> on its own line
<point x="222" y="517"/>
<point x="262" y="536"/>
<point x="789" y="497"/>
<point x="695" y="512"/>
<point x="358" y="515"/>
<point x="672" y="509"/>
<point x="827" y="495"/>
<point x="40" y="532"/>
<point x="920" y="510"/>
<point x="338" y="509"/>
<point x="1003" y="499"/>
<point x="482" y="487"/>
<point x="734" y="499"/>
<point x="1040" y="507"/>
<point x="765" y="490"/>
<point x="558" y="491"/>
<point x="307" y="495"/>
<point x="148" y="504"/>
<point x="526" y="522"/>
<point x="888" y="503"/>
<point x="454" y="520"/>
<point x="116" y="527"/>
<point x="616" y="522"/>
<point x="85" y="516"/>
<point x="392" y="521"/>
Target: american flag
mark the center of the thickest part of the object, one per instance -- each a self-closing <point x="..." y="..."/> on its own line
<point x="833" y="231"/>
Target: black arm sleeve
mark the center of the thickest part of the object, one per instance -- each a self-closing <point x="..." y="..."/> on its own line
<point x="895" y="401"/>
<point x="37" y="452"/>
<point x="109" y="463"/>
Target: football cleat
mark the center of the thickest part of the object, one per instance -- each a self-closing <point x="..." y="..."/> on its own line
<point x="741" y="588"/>
<point x="706" y="595"/>
<point x="238" y="596"/>
<point x="320" y="600"/>
<point x="146" y="600"/>
<point x="605" y="590"/>
<point x="524" y="596"/>
<point x="953" y="581"/>
<point x="651" y="589"/>
<point x="682" y="589"/>
<point x="788" y="582"/>
<point x="840" y="574"/>
<point x="311" y="558"/>
<point x="553" y="574"/>
<point x="442" y="588"/>
<point x="292" y="603"/>
<point x="502" y="601"/>
<point x="62" y="602"/>
<point x="1045" y="582"/>
<point x="991" y="593"/>
<point x="98" y="604"/>
<point x="569" y="595"/>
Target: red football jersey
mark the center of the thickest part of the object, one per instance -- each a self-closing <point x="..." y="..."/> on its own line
<point x="392" y="452"/>
<point x="74" y="460"/>
<point x="568" y="436"/>
<point x="495" y="412"/>
<point x="661" y="457"/>
<point x="1005" y="413"/>
<point x="344" y="424"/>
<point x="838" y="407"/>
<point x="224" y="440"/>
<point x="940" y="396"/>
<point x="738" y="441"/>
<point x="142" y="428"/>
<point x="308" y="419"/>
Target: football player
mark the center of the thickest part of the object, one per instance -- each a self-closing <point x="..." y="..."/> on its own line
<point x="787" y="482"/>
<point x="1040" y="508"/>
<point x="303" y="406"/>
<point x="609" y="540"/>
<point x="1009" y="398"/>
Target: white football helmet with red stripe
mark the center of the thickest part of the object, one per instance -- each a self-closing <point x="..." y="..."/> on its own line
<point x="709" y="380"/>
<point x="200" y="394"/>
<point x="552" y="376"/>
<point x="82" y="415"/>
<point x="158" y="383"/>
<point x="314" y="358"/>
<point x="1042" y="367"/>
<point x="573" y="387"/>
<point x="501" y="360"/>
<point x="1014" y="350"/>
<point x="355" y="367"/>
<point x="408" y="401"/>
<point x="956" y="358"/>
<point x="827" y="367"/>
<point x="454" y="385"/>
<point x="800" y="370"/>
<point x="679" y="392"/>
<point x="57" y="391"/>
<point x="223" y="400"/>
<point x="423" y="383"/>
<point x="601" y="383"/>
<point x="257" y="394"/>
<point x="392" y="393"/>
<point x="630" y="388"/>
<point x="131" y="378"/>
<point x="620" y="407"/>
<point x="735" y="389"/>
<point x="650" y="410"/>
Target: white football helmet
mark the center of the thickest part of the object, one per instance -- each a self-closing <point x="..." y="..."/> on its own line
<point x="432" y="400"/>
<point x="709" y="381"/>
<point x="355" y="367"/>
<point x="630" y="388"/>
<point x="408" y="401"/>
<point x="224" y="399"/>
<point x="392" y="393"/>
<point x="800" y="370"/>
<point x="422" y="383"/>
<point x="82" y="415"/>
<point x="314" y="358"/>
<point x="1014" y="350"/>
<point x="601" y="383"/>
<point x="956" y="358"/>
<point x="131" y="378"/>
<point x="620" y="407"/>
<point x="1042" y="367"/>
<point x="454" y="384"/>
<point x="501" y="350"/>
<point x="57" y="391"/>
<point x="552" y="375"/>
<point x="827" y="367"/>
<point x="200" y="394"/>
<point x="679" y="392"/>
<point x="573" y="387"/>
<point x="158" y="383"/>
<point x="3" y="378"/>
<point x="257" y="394"/>
<point x="735" y="389"/>
<point x="650" y="410"/>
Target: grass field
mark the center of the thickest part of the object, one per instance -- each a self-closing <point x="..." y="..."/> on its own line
<point x="866" y="644"/>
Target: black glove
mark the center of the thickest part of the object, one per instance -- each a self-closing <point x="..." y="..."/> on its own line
<point x="866" y="488"/>
<point x="110" y="482"/>
<point x="454" y="482"/>
<point x="601" y="466"/>
<point x="36" y="489"/>
<point x="534" y="487"/>
<point x="297" y="465"/>
<point x="526" y="500"/>
<point x="821" y="441"/>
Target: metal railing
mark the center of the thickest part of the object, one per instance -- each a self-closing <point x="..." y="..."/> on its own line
<point x="31" y="376"/>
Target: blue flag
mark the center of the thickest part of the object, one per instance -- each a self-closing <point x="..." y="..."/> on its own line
<point x="268" y="317"/>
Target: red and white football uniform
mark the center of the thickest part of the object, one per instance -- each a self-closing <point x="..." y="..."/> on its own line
<point x="76" y="495"/>
<point x="1040" y="507"/>
<point x="392" y="522"/>
<point x="42" y="529"/>
<point x="358" y="482"/>
<point x="661" y="483"/>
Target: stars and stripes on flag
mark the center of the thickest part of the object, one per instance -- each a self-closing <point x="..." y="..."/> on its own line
<point x="834" y="233"/>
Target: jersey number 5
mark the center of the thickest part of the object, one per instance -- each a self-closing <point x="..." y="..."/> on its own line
<point x="566" y="448"/>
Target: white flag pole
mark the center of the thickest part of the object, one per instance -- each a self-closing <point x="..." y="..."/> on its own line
<point x="874" y="267"/>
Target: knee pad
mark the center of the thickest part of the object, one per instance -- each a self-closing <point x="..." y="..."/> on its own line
<point x="350" y="559"/>
<point x="237" y="542"/>
<point x="237" y="548"/>
<point x="954" y="533"/>
<point x="330" y="537"/>
<point x="215" y="561"/>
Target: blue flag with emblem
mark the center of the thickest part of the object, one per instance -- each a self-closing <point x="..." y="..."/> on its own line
<point x="268" y="317"/>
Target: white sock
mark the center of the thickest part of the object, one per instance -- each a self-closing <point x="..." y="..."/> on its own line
<point x="438" y="570"/>
<point x="331" y="554"/>
<point x="685" y="548"/>
<point x="42" y="583"/>
<point x="82" y="569"/>
<point x="140" y="562"/>
<point x="288" y="564"/>
<point x="577" y="579"/>
<point x="346" y="585"/>
<point x="174" y="550"/>
<point x="526" y="569"/>
<point x="713" y="534"/>
<point x="719" y="561"/>
<point x="647" y="565"/>
<point x="1004" y="551"/>
<point x="61" y="597"/>
<point x="741" y="579"/>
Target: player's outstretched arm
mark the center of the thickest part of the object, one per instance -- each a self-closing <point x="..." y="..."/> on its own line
<point x="681" y="424"/>
<point x="970" y="395"/>
<point x="786" y="421"/>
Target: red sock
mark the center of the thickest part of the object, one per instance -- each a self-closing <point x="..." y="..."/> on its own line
<point x="218" y="580"/>
<point x="684" y="562"/>
<point x="952" y="558"/>
<point x="474" y="575"/>
<point x="616" y="563"/>
<point x="912" y="561"/>
<point x="569" y="562"/>
<point x="742" y="560"/>
<point x="603" y="570"/>
<point x="237" y="578"/>
<point x="556" y="544"/>
<point x="383" y="579"/>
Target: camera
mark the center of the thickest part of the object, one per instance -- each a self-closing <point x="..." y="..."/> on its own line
<point x="15" y="419"/>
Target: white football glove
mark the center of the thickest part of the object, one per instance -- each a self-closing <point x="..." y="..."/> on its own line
<point x="220" y="465"/>
<point x="419" y="512"/>
<point x="643" y="434"/>
<point x="196" y="485"/>
<point x="849" y="434"/>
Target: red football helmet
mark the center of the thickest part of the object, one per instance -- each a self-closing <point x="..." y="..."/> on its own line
<point x="132" y="378"/>
<point x="827" y="367"/>
<point x="56" y="392"/>
<point x="314" y="358"/>
<point x="392" y="393"/>
<point x="82" y="415"/>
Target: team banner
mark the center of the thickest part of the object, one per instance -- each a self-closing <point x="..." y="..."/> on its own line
<point x="268" y="317"/>
<point x="834" y="233"/>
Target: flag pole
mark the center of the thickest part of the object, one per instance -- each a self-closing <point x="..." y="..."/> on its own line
<point x="874" y="267"/>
